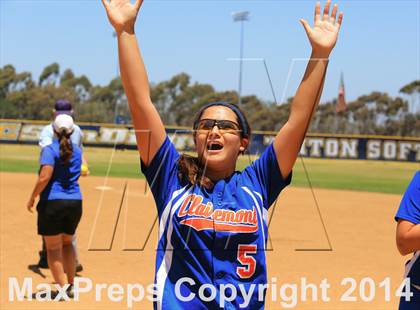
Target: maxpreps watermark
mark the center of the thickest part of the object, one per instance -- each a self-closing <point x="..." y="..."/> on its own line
<point x="287" y="295"/>
<point x="131" y="292"/>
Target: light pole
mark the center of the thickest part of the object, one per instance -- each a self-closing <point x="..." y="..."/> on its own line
<point x="114" y="35"/>
<point x="240" y="17"/>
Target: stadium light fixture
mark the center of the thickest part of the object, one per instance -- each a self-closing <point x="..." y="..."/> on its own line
<point x="241" y="17"/>
<point x="114" y="35"/>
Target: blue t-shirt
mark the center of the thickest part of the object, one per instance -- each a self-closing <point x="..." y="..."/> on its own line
<point x="63" y="183"/>
<point x="212" y="236"/>
<point x="409" y="210"/>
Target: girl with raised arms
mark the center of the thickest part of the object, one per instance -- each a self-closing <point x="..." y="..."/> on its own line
<point x="213" y="219"/>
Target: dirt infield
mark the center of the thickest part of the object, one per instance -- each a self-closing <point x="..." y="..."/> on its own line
<point x="360" y="227"/>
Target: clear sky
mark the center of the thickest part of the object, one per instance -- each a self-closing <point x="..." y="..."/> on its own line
<point x="378" y="49"/>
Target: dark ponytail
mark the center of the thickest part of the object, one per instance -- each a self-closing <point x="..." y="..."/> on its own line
<point x="66" y="147"/>
<point x="191" y="169"/>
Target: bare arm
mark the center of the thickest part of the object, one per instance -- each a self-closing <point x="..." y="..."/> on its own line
<point x="408" y="237"/>
<point x="44" y="177"/>
<point x="150" y="132"/>
<point x="322" y="37"/>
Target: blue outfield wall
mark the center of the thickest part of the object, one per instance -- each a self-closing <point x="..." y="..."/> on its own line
<point x="315" y="145"/>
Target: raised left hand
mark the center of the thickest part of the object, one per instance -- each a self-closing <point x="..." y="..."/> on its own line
<point x="323" y="36"/>
<point x="122" y="14"/>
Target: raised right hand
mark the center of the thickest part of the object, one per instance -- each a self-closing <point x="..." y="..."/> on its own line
<point x="122" y="14"/>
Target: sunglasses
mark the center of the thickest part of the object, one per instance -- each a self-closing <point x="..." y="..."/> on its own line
<point x="224" y="126"/>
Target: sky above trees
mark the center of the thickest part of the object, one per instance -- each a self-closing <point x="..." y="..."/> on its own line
<point x="378" y="48"/>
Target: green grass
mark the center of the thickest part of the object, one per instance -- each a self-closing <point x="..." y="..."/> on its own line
<point x="372" y="176"/>
<point x="24" y="158"/>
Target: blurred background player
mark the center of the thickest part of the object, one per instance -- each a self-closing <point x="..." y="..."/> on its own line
<point x="46" y="138"/>
<point x="60" y="203"/>
<point x="408" y="240"/>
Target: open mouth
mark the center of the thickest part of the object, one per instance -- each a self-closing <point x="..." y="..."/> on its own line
<point x="214" y="146"/>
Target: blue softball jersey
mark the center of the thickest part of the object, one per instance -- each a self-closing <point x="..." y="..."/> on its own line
<point x="212" y="238"/>
<point x="409" y="210"/>
<point x="63" y="183"/>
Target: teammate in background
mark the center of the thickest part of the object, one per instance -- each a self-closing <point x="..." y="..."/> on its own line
<point x="46" y="138"/>
<point x="60" y="204"/>
<point x="213" y="219"/>
<point x="408" y="240"/>
<point x="47" y="134"/>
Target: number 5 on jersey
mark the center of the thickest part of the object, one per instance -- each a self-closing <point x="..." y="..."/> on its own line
<point x="248" y="261"/>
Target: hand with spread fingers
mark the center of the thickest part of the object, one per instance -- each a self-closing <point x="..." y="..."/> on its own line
<point x="323" y="35"/>
<point x="122" y="14"/>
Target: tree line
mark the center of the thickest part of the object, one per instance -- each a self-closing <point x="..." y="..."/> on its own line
<point x="177" y="100"/>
